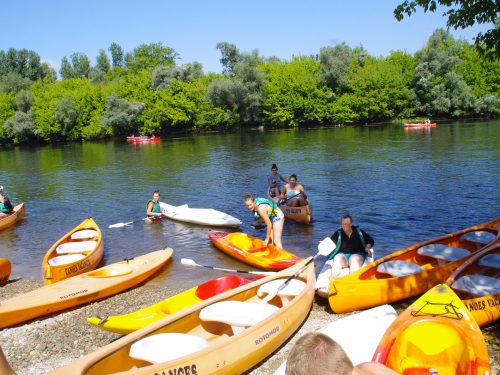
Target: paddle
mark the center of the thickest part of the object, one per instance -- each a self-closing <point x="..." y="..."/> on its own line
<point x="190" y="262"/>
<point x="119" y="225"/>
<point x="283" y="201"/>
<point x="324" y="249"/>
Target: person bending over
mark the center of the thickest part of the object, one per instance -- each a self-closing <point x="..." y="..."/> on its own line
<point x="268" y="211"/>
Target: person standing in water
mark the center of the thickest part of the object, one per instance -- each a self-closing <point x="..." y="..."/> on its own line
<point x="153" y="210"/>
<point x="268" y="211"/>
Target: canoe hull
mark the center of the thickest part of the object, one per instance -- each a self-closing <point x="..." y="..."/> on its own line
<point x="55" y="273"/>
<point x="301" y="214"/>
<point x="81" y="289"/>
<point x="435" y="332"/>
<point x="13" y="218"/>
<point x="419" y="125"/>
<point x="251" y="250"/>
<point x="227" y="353"/>
<point x="5" y="270"/>
<point x="199" y="216"/>
<point x="486" y="308"/>
<point x="373" y="288"/>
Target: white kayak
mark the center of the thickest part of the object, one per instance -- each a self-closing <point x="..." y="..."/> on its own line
<point x="358" y="334"/>
<point x="325" y="275"/>
<point x="202" y="216"/>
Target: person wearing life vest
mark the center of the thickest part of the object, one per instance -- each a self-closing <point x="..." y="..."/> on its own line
<point x="153" y="210"/>
<point x="5" y="205"/>
<point x="269" y="212"/>
<point x="352" y="246"/>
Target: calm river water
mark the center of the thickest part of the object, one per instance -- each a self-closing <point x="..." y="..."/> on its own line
<point x="400" y="186"/>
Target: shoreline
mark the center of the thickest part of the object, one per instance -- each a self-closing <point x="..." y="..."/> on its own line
<point x="42" y="345"/>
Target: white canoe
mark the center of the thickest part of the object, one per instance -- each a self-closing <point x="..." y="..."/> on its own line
<point x="325" y="275"/>
<point x="202" y="216"/>
<point x="358" y="334"/>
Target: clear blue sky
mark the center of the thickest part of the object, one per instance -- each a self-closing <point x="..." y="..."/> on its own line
<point x="193" y="28"/>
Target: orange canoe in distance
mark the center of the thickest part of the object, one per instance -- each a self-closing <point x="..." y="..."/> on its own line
<point x="5" y="269"/>
<point x="411" y="271"/>
<point x="13" y="218"/>
<point x="251" y="250"/>
<point x="81" y="289"/>
<point x="225" y="334"/>
<point x="435" y="335"/>
<point x="79" y="251"/>
<point x="477" y="283"/>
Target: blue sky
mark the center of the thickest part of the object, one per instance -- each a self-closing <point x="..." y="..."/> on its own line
<point x="193" y="28"/>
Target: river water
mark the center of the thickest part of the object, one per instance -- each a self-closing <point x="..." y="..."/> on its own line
<point x="400" y="186"/>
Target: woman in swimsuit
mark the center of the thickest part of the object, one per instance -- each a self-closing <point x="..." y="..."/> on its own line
<point x="269" y="212"/>
<point x="274" y="182"/>
<point x="294" y="193"/>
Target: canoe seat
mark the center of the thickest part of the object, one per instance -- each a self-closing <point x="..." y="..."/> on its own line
<point x="239" y="315"/>
<point x="399" y="268"/>
<point x="76" y="247"/>
<point x="292" y="289"/>
<point x="165" y="347"/>
<point x="443" y="252"/>
<point x="478" y="284"/>
<point x="478" y="236"/>
<point x="490" y="260"/>
<point x="84" y="234"/>
<point x="65" y="259"/>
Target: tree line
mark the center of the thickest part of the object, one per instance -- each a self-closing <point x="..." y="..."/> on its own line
<point x="144" y="91"/>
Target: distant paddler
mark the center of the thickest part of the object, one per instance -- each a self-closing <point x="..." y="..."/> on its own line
<point x="268" y="211"/>
<point x="5" y="205"/>
<point x="153" y="210"/>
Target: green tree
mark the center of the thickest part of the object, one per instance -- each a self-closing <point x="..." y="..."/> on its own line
<point x="21" y="127"/>
<point x="120" y="114"/>
<point x="116" y="54"/>
<point x="14" y="82"/>
<point x="24" y="101"/>
<point x="335" y="66"/>
<point x="462" y="14"/>
<point x="149" y="56"/>
<point x="230" y="56"/>
<point x="67" y="114"/>
<point x="102" y="62"/>
<point x="163" y="75"/>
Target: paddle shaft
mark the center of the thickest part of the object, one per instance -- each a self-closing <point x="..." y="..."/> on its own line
<point x="232" y="270"/>
<point x="118" y="225"/>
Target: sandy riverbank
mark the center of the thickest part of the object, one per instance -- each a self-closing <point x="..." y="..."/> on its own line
<point x="42" y="345"/>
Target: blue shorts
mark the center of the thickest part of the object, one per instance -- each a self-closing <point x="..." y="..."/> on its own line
<point x="347" y="256"/>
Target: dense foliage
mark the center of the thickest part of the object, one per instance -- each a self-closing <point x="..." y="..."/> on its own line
<point x="144" y="91"/>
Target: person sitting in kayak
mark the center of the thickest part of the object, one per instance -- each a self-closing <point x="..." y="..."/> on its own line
<point x="5" y="205"/>
<point x="153" y="210"/>
<point x="268" y="211"/>
<point x="293" y="193"/>
<point x="353" y="245"/>
<point x="274" y="182"/>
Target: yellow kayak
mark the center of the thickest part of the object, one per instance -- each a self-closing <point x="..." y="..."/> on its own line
<point x="435" y="335"/>
<point x="78" y="290"/>
<point x="5" y="269"/>
<point x="127" y="323"/>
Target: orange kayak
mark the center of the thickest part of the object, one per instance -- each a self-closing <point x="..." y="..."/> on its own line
<point x="78" y="251"/>
<point x="5" y="269"/>
<point x="411" y="271"/>
<point x="251" y="250"/>
<point x="477" y="283"/>
<point x="13" y="218"/>
<point x="435" y="335"/>
<point x="80" y="289"/>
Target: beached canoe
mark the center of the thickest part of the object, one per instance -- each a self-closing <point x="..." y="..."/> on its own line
<point x="127" y="323"/>
<point x="359" y="348"/>
<point x="435" y="335"/>
<point x="302" y="214"/>
<point x="79" y="251"/>
<point x="477" y="283"/>
<point x="226" y="334"/>
<point x="5" y="270"/>
<point x="13" y="218"/>
<point x="411" y="271"/>
<point x="80" y="289"/>
<point x="251" y="250"/>
<point x="201" y="216"/>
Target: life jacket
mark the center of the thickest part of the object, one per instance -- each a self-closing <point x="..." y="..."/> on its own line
<point x="6" y="206"/>
<point x="156" y="208"/>
<point x="272" y="204"/>
<point x="339" y="241"/>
